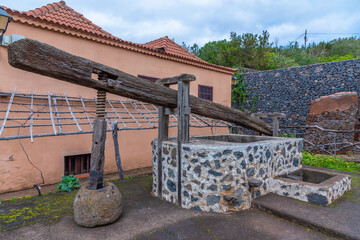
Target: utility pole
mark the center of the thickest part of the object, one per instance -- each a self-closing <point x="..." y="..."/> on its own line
<point x="305" y="37"/>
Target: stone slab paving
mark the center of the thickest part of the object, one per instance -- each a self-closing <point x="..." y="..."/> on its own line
<point x="144" y="217"/>
<point x="342" y="217"/>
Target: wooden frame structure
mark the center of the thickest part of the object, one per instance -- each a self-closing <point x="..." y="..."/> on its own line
<point x="37" y="57"/>
<point x="39" y="115"/>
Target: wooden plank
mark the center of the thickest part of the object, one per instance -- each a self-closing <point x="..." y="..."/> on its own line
<point x="117" y="151"/>
<point x="72" y="114"/>
<point x="87" y="117"/>
<point x="7" y="111"/>
<point x="51" y="115"/>
<point x="142" y="114"/>
<point x="142" y="104"/>
<point x="57" y="114"/>
<point x="269" y="115"/>
<point x="116" y="113"/>
<point x="176" y="79"/>
<point x="34" y="56"/>
<point x="129" y="113"/>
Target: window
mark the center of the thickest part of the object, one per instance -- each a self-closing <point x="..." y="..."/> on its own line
<point x="77" y="164"/>
<point x="151" y="79"/>
<point x="206" y="92"/>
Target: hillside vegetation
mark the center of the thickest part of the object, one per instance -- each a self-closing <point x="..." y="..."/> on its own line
<point x="256" y="52"/>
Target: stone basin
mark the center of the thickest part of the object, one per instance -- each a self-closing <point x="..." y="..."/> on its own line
<point x="221" y="173"/>
<point x="314" y="186"/>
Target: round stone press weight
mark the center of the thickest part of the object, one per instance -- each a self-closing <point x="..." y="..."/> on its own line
<point x="97" y="207"/>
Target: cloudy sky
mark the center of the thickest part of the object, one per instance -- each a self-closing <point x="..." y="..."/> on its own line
<point x="201" y="21"/>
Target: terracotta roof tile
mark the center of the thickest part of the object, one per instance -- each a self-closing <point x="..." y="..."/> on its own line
<point x="169" y="46"/>
<point x="58" y="14"/>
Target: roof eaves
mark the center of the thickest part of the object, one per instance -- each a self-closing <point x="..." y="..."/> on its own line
<point x="101" y="37"/>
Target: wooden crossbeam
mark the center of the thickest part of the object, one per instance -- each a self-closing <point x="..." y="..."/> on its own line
<point x="37" y="57"/>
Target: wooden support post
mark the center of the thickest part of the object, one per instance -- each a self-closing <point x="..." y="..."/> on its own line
<point x="163" y="134"/>
<point x="275" y="127"/>
<point x="98" y="139"/>
<point x="117" y="152"/>
<point x="97" y="154"/>
<point x="183" y="110"/>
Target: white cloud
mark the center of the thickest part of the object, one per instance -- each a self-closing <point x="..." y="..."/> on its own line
<point x="201" y="21"/>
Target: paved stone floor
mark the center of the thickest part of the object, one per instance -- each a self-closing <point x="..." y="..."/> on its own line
<point x="146" y="217"/>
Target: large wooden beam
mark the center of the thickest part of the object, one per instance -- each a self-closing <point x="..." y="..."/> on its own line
<point x="37" y="57"/>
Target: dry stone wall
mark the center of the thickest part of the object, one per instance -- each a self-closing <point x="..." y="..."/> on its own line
<point x="290" y="90"/>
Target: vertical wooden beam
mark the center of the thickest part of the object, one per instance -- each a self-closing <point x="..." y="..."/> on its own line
<point x="163" y="134"/>
<point x="97" y="154"/>
<point x="117" y="152"/>
<point x="183" y="109"/>
<point x="98" y="140"/>
<point x="275" y="127"/>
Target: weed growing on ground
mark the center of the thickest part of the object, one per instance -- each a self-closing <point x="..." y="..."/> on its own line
<point x="68" y="183"/>
<point x="327" y="161"/>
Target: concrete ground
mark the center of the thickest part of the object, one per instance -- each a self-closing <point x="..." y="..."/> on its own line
<point x="146" y="217"/>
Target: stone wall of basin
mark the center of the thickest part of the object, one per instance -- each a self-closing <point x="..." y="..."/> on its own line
<point x="324" y="193"/>
<point x="224" y="176"/>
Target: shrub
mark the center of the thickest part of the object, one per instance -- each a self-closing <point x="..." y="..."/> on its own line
<point x="327" y="161"/>
<point x="68" y="183"/>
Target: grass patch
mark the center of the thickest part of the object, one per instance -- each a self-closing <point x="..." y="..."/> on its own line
<point x="326" y="161"/>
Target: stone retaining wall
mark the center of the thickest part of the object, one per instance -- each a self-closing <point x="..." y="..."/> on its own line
<point x="290" y="90"/>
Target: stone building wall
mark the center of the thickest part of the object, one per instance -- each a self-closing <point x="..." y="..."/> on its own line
<point x="290" y="90"/>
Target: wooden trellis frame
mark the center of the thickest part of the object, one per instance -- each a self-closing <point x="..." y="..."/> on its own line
<point x="52" y="115"/>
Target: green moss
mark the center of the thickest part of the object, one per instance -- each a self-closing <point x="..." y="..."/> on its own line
<point x="26" y="211"/>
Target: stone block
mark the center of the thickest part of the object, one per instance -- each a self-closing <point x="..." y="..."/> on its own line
<point x="97" y="207"/>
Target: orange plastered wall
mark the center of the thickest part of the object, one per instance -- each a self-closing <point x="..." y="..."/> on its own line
<point x="48" y="153"/>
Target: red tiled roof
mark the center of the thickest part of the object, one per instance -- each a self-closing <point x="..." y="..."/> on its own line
<point x="169" y="46"/>
<point x="61" y="14"/>
<point x="60" y="17"/>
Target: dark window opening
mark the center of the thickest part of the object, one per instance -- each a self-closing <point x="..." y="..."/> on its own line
<point x="77" y="164"/>
<point x="205" y="92"/>
<point x="151" y="79"/>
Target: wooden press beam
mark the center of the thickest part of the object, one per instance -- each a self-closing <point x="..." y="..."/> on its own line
<point x="37" y="57"/>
